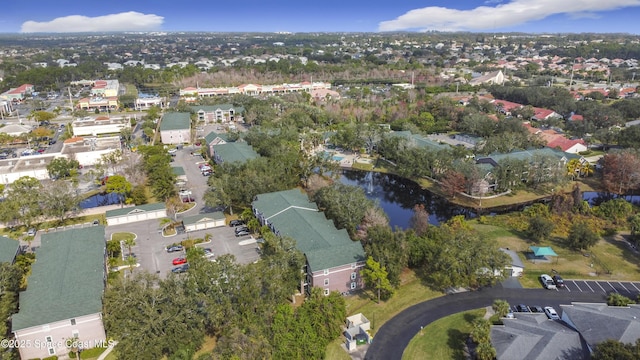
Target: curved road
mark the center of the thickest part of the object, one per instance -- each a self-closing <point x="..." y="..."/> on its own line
<point x="394" y="336"/>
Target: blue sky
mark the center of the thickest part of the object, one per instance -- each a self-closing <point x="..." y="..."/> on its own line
<point x="536" y="16"/>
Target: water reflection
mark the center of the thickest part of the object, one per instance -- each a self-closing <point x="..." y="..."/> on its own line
<point x="397" y="196"/>
<point x="597" y="198"/>
<point x="100" y="200"/>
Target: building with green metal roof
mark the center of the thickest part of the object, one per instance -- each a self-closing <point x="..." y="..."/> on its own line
<point x="203" y="221"/>
<point x="130" y="214"/>
<point x="64" y="292"/>
<point x="333" y="259"/>
<point x="233" y="152"/>
<point x="175" y="128"/>
<point x="217" y="113"/>
<point x="8" y="249"/>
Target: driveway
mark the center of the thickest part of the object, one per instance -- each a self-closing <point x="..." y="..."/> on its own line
<point x="394" y="336"/>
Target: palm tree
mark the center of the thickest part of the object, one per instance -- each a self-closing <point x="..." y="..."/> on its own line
<point x="207" y="237"/>
<point x="501" y="307"/>
<point x="131" y="262"/>
<point x="573" y="168"/>
<point x="587" y="169"/>
<point x="129" y="242"/>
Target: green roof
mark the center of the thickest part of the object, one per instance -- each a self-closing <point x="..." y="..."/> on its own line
<point x="175" y="121"/>
<point x="529" y="154"/>
<point x="234" y="152"/>
<point x="216" y="215"/>
<point x="139" y="208"/>
<point x="67" y="278"/>
<point x="290" y="213"/>
<point x="8" y="249"/>
<point x="178" y="170"/>
<point x="213" y="135"/>
<point x="222" y="107"/>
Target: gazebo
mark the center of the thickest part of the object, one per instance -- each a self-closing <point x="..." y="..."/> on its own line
<point x="541" y="252"/>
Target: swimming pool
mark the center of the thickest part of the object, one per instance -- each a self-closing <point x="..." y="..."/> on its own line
<point x="337" y="158"/>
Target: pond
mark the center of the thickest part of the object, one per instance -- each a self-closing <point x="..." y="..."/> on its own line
<point x="397" y="196"/>
<point x="597" y="198"/>
<point x="101" y="199"/>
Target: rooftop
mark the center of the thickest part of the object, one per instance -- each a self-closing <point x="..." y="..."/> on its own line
<point x="235" y="152"/>
<point x="135" y="209"/>
<point x="69" y="272"/>
<point x="8" y="249"/>
<point x="175" y="121"/>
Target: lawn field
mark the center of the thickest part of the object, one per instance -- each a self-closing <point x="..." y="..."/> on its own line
<point x="443" y="339"/>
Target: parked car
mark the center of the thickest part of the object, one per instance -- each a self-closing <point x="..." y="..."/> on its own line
<point x="179" y="261"/>
<point x="242" y="233"/>
<point x="184" y="192"/>
<point x="510" y="314"/>
<point x="536" y="309"/>
<point x="241" y="228"/>
<point x="180" y="269"/>
<point x="236" y="223"/>
<point x="551" y="313"/>
<point x="557" y="279"/>
<point x="208" y="252"/>
<point x="188" y="200"/>
<point x="522" y="308"/>
<point x="32" y="232"/>
<point x="547" y="282"/>
<point x="207" y="173"/>
<point x="173" y="152"/>
<point x="174" y="248"/>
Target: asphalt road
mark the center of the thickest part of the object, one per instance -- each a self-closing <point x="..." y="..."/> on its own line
<point x="394" y="336"/>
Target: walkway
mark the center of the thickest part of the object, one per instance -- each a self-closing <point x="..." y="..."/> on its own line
<point x="394" y="336"/>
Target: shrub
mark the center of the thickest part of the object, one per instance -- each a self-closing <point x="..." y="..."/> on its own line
<point x="615" y="299"/>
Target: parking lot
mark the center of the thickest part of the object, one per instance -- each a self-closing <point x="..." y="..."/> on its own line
<point x="629" y="289"/>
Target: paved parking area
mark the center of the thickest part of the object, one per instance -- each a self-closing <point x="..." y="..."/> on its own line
<point x="629" y="289"/>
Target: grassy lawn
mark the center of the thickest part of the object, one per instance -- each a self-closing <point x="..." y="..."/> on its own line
<point x="411" y="291"/>
<point x="610" y="258"/>
<point x="123" y="236"/>
<point x="207" y="347"/>
<point x="444" y="338"/>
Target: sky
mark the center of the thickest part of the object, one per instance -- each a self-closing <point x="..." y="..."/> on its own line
<point x="532" y="16"/>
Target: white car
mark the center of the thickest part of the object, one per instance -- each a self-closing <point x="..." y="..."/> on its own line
<point x="551" y="313"/>
<point x="547" y="282"/>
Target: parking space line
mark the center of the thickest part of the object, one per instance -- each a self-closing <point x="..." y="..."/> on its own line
<point x="625" y="289"/>
<point x="598" y="283"/>
<point x="589" y="286"/>
<point x="614" y="289"/>
<point x="634" y="285"/>
<point x="576" y="284"/>
<point x="566" y="287"/>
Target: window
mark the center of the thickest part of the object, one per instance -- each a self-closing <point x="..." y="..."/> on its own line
<point x="353" y="276"/>
<point x="75" y="334"/>
<point x="326" y="271"/>
<point x="48" y="339"/>
<point x="326" y="282"/>
<point x="73" y="321"/>
<point x="353" y="285"/>
<point x="52" y="351"/>
<point x="326" y="292"/>
<point x="353" y="266"/>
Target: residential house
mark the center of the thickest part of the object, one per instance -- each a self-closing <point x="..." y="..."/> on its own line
<point x="333" y="260"/>
<point x="213" y="139"/>
<point x="557" y="140"/>
<point x="233" y="152"/>
<point x="492" y="78"/>
<point x="221" y="113"/>
<point x="540" y="114"/>
<point x="597" y="322"/>
<point x="63" y="299"/>
<point x="9" y="249"/>
<point x="175" y="128"/>
<point x="535" y="337"/>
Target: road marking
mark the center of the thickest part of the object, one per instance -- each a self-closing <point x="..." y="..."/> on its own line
<point x="598" y="283"/>
<point x="576" y="284"/>
<point x="589" y="286"/>
<point x="614" y="289"/>
<point x="566" y="287"/>
<point x="625" y="289"/>
<point x="634" y="285"/>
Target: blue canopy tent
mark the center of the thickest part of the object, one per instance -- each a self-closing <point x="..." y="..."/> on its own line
<point x="541" y="252"/>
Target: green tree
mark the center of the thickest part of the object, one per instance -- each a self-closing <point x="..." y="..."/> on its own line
<point x="540" y="228"/>
<point x="615" y="210"/>
<point x="581" y="236"/>
<point x="480" y="330"/>
<point x="60" y="199"/>
<point x="376" y="278"/>
<point x="41" y="116"/>
<point x="129" y="242"/>
<point x="615" y="299"/>
<point x="500" y="307"/>
<point x="22" y="202"/>
<point x="118" y="184"/>
<point x="62" y="168"/>
<point x="615" y="350"/>
<point x="346" y="205"/>
<point x="139" y="195"/>
<point x="485" y="351"/>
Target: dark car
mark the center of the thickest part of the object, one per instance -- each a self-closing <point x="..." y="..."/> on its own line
<point x="236" y="223"/>
<point x="536" y="309"/>
<point x="180" y="269"/>
<point x="241" y="228"/>
<point x="174" y="248"/>
<point x="557" y="279"/>
<point x="242" y="233"/>
<point x="522" y="308"/>
<point x="51" y="142"/>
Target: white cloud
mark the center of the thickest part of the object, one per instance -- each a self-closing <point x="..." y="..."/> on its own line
<point x="509" y="14"/>
<point x="126" y="21"/>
